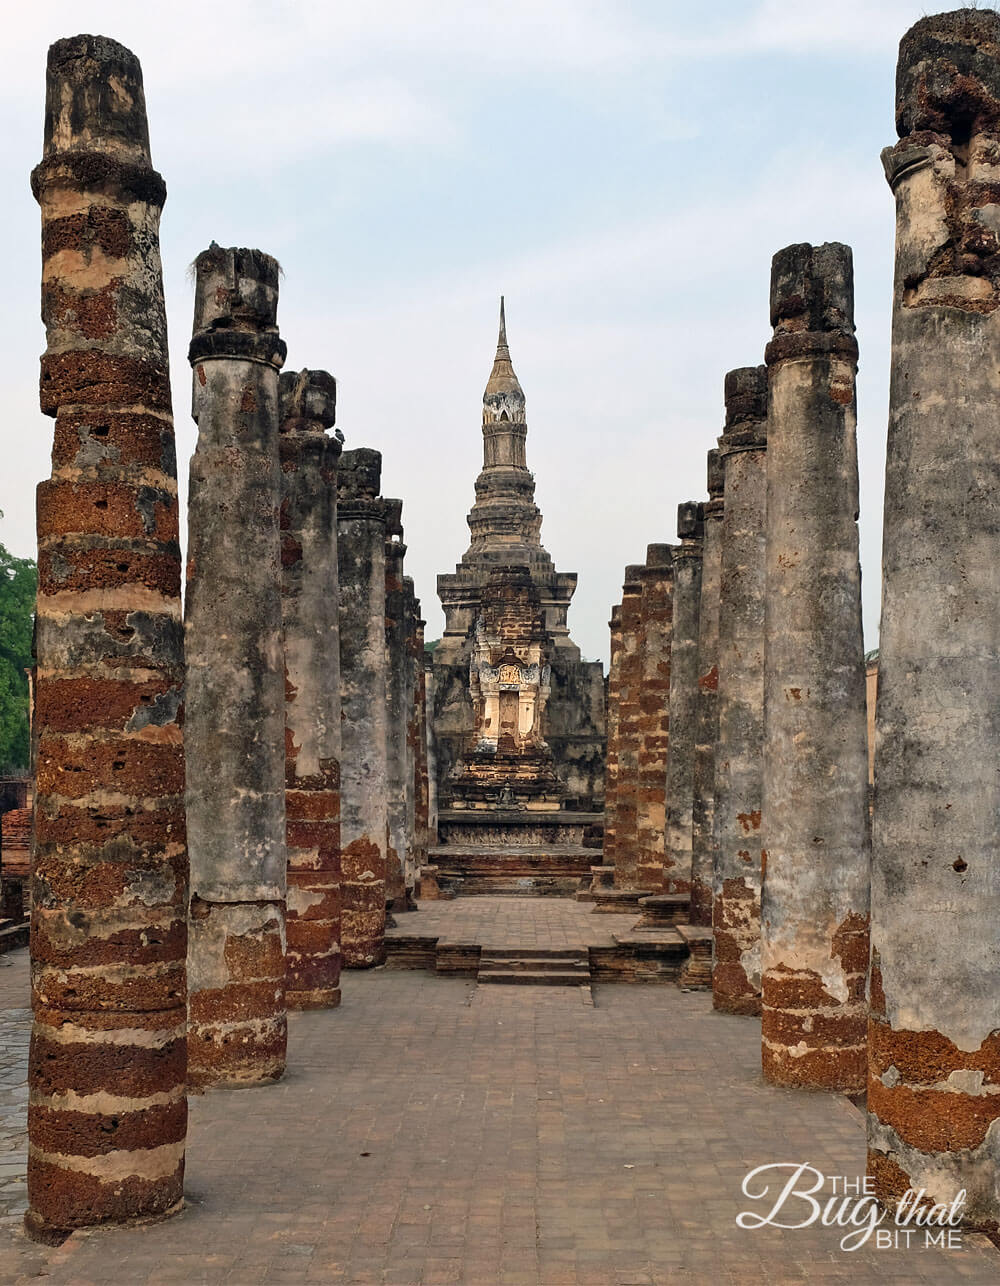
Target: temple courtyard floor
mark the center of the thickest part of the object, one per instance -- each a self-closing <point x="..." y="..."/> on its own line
<point x="434" y="1130"/>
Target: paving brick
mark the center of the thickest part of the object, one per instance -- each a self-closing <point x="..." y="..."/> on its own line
<point x="516" y="1139"/>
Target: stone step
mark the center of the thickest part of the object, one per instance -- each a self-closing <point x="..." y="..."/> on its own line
<point x="498" y="964"/>
<point x="534" y="953"/>
<point x="547" y="978"/>
<point x="661" y="909"/>
<point x="535" y="966"/>
<point x="616" y="901"/>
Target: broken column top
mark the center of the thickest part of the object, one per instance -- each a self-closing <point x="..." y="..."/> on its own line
<point x="948" y="74"/>
<point x="812" y="302"/>
<point x="360" y="474"/>
<point x="94" y="100"/>
<point x="691" y="520"/>
<point x="716" y="477"/>
<point x="235" y="289"/>
<point x="746" y="409"/>
<point x="633" y="579"/>
<point x="659" y="556"/>
<point x="393" y="518"/>
<point x="308" y="402"/>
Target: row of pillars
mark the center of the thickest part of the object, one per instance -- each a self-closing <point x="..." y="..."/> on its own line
<point x="866" y="935"/>
<point x="226" y="801"/>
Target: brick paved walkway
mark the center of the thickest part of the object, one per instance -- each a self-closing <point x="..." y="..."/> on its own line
<point x="515" y="922"/>
<point x="434" y="1132"/>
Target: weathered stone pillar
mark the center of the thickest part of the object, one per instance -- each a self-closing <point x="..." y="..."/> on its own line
<point x="814" y="900"/>
<point x="653" y="723"/>
<point x="629" y="683"/>
<point x="361" y="526"/>
<point x="107" y="1114"/>
<point x="312" y="686"/>
<point x="430" y="747"/>
<point x="419" y="752"/>
<point x="707" y="705"/>
<point x="683" y="697"/>
<point x="234" y="732"/>
<point x="398" y="708"/>
<point x="934" y="1038"/>
<point x="739" y="753"/>
<point x="611" y="755"/>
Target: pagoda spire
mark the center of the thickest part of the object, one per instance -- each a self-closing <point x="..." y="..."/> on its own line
<point x="503" y="401"/>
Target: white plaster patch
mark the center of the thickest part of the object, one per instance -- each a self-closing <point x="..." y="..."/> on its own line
<point x="965" y="1081"/>
<point x="750" y="960"/>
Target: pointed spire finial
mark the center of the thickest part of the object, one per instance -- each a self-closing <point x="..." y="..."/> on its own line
<point x="502" y="338"/>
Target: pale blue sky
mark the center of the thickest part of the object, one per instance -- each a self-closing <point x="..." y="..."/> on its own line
<point x="623" y="172"/>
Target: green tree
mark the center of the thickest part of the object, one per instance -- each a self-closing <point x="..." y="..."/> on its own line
<point x="18" y="582"/>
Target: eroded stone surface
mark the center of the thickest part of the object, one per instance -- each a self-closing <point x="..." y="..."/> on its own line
<point x="110" y="870"/>
<point x="311" y="633"/>
<point x="934" y="1054"/>
<point x="361" y="539"/>
<point x="652" y="720"/>
<point x="739" y="752"/>
<point x="687" y="559"/>
<point x="235" y="729"/>
<point x="707" y="702"/>
<point x="814" y="908"/>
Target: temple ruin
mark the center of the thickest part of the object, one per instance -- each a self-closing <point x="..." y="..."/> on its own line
<point x="225" y="808"/>
<point x="518" y="716"/>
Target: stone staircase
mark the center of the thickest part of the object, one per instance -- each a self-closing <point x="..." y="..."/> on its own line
<point x="535" y="966"/>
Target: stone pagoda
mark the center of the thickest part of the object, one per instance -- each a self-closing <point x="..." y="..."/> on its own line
<point x="518" y="716"/>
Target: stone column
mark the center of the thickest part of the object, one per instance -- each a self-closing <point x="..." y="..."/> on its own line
<point x="739" y="752"/>
<point x="814" y="901"/>
<point x="430" y="747"/>
<point x="655" y="632"/>
<point x="361" y="527"/>
<point x="420" y="795"/>
<point x="706" y="714"/>
<point x="934" y="1038"/>
<point x="629" y="682"/>
<point x="412" y="861"/>
<point x="312" y="686"/>
<point x="234" y="732"/>
<point x="611" y="755"/>
<point x="398" y="711"/>
<point x="107" y="1115"/>
<point x="683" y="697"/>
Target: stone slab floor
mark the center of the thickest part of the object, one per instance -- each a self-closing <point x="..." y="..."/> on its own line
<point x="430" y="1131"/>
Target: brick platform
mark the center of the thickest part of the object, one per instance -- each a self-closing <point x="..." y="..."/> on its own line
<point x="430" y="1131"/>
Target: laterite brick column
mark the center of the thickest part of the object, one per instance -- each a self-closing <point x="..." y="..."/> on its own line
<point x="107" y="1112"/>
<point x="739" y="752"/>
<point x="234" y="733"/>
<point x="706" y="715"/>
<point x="413" y="860"/>
<point x="655" y="632"/>
<point x="934" y="1039"/>
<point x="311" y="632"/>
<point x="398" y="712"/>
<point x="611" y="756"/>
<point x="814" y="901"/>
<point x="421" y="800"/>
<point x="361" y="526"/>
<point x="629" y="685"/>
<point x="683" y="698"/>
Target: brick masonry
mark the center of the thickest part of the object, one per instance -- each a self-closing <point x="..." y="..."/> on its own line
<point x="109" y="859"/>
<point x="311" y="634"/>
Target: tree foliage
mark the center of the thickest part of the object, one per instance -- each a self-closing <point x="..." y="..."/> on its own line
<point x="18" y="582"/>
